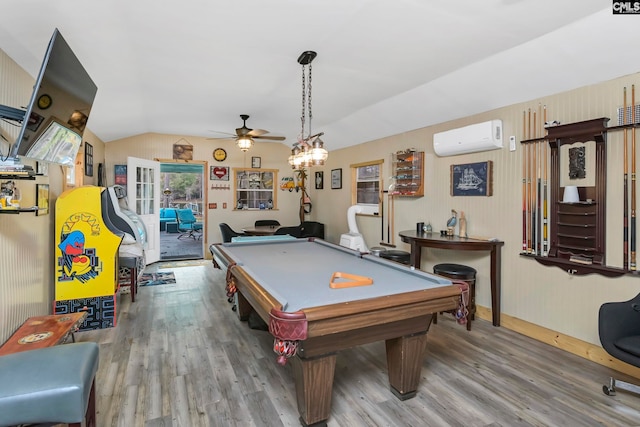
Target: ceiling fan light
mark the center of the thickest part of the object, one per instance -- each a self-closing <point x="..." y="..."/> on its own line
<point x="244" y="143"/>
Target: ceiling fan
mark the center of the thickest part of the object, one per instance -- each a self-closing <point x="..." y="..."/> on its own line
<point x="244" y="136"/>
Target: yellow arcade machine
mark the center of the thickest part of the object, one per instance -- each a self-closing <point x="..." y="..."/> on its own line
<point x="86" y="256"/>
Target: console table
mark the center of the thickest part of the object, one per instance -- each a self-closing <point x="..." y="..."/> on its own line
<point x="435" y="240"/>
<point x="43" y="331"/>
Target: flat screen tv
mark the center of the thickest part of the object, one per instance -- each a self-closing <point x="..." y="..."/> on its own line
<point x="56" y="116"/>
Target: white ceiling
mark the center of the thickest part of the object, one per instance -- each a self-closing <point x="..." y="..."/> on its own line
<point x="384" y="67"/>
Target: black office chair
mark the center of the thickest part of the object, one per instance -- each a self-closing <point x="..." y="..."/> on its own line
<point x="312" y="229"/>
<point x="619" y="330"/>
<point x="227" y="232"/>
<point x="260" y="222"/>
<point x="294" y="231"/>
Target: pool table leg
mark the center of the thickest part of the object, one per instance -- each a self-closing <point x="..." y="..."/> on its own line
<point x="243" y="308"/>
<point x="404" y="362"/>
<point x="314" y="384"/>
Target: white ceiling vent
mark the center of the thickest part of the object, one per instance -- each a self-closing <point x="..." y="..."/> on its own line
<point x="469" y="139"/>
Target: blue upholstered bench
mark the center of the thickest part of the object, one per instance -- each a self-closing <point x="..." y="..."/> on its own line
<point x="49" y="385"/>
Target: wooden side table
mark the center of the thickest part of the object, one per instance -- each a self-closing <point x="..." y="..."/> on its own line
<point x="43" y="331"/>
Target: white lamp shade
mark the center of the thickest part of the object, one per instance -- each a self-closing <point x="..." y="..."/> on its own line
<point x="571" y="194"/>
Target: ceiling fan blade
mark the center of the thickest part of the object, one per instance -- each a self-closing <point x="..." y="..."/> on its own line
<point x="227" y="134"/>
<point x="257" y="132"/>
<point x="223" y="137"/>
<point x="272" y="138"/>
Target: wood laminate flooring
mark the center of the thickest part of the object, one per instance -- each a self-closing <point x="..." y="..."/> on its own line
<point x="180" y="357"/>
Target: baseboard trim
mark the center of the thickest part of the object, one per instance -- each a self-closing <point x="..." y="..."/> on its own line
<point x="564" y="342"/>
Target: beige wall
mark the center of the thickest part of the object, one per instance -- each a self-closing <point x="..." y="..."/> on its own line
<point x="27" y="240"/>
<point x="553" y="305"/>
<point x="273" y="156"/>
<point x="544" y="296"/>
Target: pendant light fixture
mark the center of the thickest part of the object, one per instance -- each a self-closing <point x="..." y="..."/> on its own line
<point x="309" y="150"/>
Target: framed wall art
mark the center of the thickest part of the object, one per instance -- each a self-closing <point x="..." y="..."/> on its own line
<point x="336" y="179"/>
<point x="42" y="199"/>
<point x="219" y="173"/>
<point x="120" y="175"/>
<point x="319" y="180"/>
<point x="472" y="179"/>
<point x="256" y="162"/>
<point x="88" y="159"/>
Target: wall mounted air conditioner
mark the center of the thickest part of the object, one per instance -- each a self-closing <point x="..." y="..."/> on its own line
<point x="469" y="139"/>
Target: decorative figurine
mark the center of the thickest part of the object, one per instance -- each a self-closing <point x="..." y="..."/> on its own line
<point x="463" y="225"/>
<point x="451" y="223"/>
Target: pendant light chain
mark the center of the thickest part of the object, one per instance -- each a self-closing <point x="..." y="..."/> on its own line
<point x="304" y="94"/>
<point x="309" y="150"/>
<point x="309" y="101"/>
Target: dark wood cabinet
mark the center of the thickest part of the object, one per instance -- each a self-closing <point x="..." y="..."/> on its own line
<point x="578" y="229"/>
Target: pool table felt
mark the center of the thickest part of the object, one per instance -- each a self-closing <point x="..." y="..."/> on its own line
<point x="297" y="273"/>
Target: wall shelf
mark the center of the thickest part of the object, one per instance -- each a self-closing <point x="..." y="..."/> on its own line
<point x="18" y="210"/>
<point x="408" y="173"/>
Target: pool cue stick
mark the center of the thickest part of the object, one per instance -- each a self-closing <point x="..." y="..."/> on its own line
<point x="633" y="179"/>
<point x="625" y="214"/>
<point x="392" y="220"/>
<point x="524" y="184"/>
<point x="382" y="215"/>
<point x="545" y="220"/>
<point x="529" y="174"/>
<point x="534" y="227"/>
<point x="539" y="201"/>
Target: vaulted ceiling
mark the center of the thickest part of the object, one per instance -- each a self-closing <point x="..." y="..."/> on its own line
<point x="384" y="67"/>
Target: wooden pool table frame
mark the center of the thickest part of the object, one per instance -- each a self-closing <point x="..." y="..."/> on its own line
<point x="402" y="321"/>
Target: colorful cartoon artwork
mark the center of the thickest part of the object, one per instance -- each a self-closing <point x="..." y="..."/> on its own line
<point x="87" y="249"/>
<point x="75" y="262"/>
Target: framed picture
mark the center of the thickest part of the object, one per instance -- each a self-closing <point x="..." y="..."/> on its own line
<point x="42" y="168"/>
<point x="182" y="151"/>
<point x="219" y="173"/>
<point x="120" y="175"/>
<point x="256" y="162"/>
<point x="42" y="199"/>
<point x="319" y="180"/>
<point x="472" y="179"/>
<point x="34" y="122"/>
<point x="88" y="159"/>
<point x="336" y="179"/>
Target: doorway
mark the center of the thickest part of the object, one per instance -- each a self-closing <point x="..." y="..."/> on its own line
<point x="182" y="187"/>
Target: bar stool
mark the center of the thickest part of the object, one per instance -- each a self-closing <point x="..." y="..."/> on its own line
<point x="398" y="256"/>
<point x="49" y="385"/>
<point x="463" y="273"/>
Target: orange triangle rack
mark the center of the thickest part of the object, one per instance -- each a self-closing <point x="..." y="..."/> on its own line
<point x="351" y="280"/>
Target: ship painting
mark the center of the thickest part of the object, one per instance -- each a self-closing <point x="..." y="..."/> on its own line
<point x="469" y="180"/>
<point x="472" y="179"/>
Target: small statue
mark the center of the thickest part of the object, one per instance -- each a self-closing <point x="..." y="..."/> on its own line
<point x="451" y="223"/>
<point x="463" y="225"/>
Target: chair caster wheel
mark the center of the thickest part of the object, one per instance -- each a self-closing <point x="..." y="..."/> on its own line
<point x="609" y="391"/>
<point x="234" y="308"/>
<point x="230" y="299"/>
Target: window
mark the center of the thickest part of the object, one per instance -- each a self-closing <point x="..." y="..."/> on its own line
<point x="367" y="183"/>
<point x="255" y="188"/>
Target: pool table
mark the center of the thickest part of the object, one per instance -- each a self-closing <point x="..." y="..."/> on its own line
<point x="288" y="284"/>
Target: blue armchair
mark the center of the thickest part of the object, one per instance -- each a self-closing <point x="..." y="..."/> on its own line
<point x="188" y="224"/>
<point x="167" y="215"/>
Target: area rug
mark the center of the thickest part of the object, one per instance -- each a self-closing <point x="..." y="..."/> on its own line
<point x="187" y="263"/>
<point x="153" y="279"/>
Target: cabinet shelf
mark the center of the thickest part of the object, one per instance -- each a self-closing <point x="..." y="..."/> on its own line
<point x="408" y="170"/>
